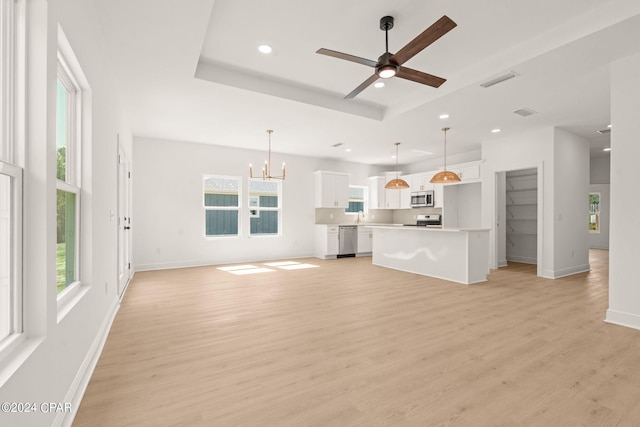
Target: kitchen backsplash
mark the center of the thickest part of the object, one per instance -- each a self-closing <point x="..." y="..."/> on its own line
<point x="338" y="216"/>
<point x="379" y="216"/>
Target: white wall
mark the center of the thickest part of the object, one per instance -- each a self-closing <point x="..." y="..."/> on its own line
<point x="54" y="363"/>
<point x="168" y="218"/>
<point x="533" y="149"/>
<point x="600" y="170"/>
<point x="624" y="290"/>
<point x="562" y="162"/>
<point x="571" y="203"/>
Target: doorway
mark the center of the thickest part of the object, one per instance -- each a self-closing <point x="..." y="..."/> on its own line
<point x="519" y="214"/>
<point x="124" y="221"/>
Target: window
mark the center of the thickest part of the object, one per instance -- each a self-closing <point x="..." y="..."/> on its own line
<point x="357" y="199"/>
<point x="264" y="207"/>
<point x="68" y="143"/>
<point x="594" y="212"/>
<point x="10" y="179"/>
<point x="221" y="203"/>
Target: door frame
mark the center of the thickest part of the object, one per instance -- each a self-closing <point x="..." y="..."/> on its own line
<point x="124" y="221"/>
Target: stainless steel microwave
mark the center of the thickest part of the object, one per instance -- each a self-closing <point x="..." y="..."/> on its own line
<point x="421" y="199"/>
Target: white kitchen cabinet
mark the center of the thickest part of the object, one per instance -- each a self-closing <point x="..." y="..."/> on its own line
<point x="327" y="241"/>
<point x="365" y="237"/>
<point x="331" y="189"/>
<point x="420" y="181"/>
<point x="468" y="172"/>
<point x="377" y="193"/>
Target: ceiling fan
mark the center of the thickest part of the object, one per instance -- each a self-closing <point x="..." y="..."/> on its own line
<point x="389" y="65"/>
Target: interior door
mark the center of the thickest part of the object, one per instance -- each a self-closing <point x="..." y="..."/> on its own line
<point x="124" y="221"/>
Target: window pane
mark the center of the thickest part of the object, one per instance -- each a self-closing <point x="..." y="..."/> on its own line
<point x="5" y="256"/>
<point x="62" y="99"/>
<point x="355" y="207"/>
<point x="265" y="223"/>
<point x="66" y="239"/>
<point x="221" y="191"/>
<point x="265" y="191"/>
<point x="221" y="222"/>
<point x="356" y="199"/>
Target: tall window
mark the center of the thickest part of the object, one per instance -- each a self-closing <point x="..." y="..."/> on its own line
<point x="68" y="143"/>
<point x="10" y="182"/>
<point x="221" y="203"/>
<point x="356" y="199"/>
<point x="264" y="207"/>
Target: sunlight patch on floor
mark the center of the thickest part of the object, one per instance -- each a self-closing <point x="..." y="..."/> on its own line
<point x="253" y="269"/>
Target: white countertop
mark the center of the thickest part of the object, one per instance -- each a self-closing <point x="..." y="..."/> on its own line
<point x="415" y="228"/>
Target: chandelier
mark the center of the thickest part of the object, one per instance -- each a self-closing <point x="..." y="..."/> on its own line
<point x="266" y="169"/>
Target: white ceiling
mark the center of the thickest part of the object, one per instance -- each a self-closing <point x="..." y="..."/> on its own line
<point x="191" y="71"/>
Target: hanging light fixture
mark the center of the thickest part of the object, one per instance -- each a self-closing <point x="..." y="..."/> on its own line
<point x="397" y="183"/>
<point x="266" y="169"/>
<point x="445" y="176"/>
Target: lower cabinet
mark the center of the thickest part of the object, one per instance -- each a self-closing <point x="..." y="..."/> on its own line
<point x="327" y="243"/>
<point x="365" y="237"/>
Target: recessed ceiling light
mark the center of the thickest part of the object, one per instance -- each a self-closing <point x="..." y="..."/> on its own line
<point x="606" y="149"/>
<point x="393" y="156"/>
<point x="347" y="149"/>
<point x="608" y="126"/>
<point x="265" y="48"/>
<point x="444" y="116"/>
<point x="378" y="85"/>
<point x="496" y="130"/>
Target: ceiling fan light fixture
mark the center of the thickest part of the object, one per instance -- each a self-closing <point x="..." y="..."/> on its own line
<point x="387" y="71"/>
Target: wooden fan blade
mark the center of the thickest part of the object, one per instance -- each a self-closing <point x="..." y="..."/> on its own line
<point x="347" y="57"/>
<point x="362" y="87"/>
<point x="420" y="77"/>
<point x="438" y="29"/>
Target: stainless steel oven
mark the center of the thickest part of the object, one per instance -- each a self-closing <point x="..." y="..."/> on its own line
<point x="421" y="199"/>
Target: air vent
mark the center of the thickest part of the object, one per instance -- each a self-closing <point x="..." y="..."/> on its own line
<point x="500" y="79"/>
<point x="524" y="112"/>
<point x="604" y="131"/>
<point x="338" y="144"/>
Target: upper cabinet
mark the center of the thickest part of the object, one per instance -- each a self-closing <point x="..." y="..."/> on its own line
<point x="331" y="189"/>
<point x="377" y="192"/>
<point x="468" y="172"/>
<point x="382" y="198"/>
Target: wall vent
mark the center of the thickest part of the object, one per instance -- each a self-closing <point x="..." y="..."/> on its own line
<point x="604" y="131"/>
<point x="525" y="112"/>
<point x="500" y="79"/>
<point x="338" y="144"/>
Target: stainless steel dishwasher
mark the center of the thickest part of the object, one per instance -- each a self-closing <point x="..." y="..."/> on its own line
<point x="348" y="239"/>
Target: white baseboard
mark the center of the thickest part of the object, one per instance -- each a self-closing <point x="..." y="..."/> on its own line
<point x="623" y="319"/>
<point x="571" y="270"/>
<point x="502" y="263"/>
<point x="204" y="263"/>
<point x="81" y="381"/>
<point x="523" y="259"/>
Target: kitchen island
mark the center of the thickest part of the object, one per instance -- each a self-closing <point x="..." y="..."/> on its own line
<point x="457" y="254"/>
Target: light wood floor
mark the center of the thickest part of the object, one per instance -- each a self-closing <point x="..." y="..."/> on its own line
<point x="349" y="343"/>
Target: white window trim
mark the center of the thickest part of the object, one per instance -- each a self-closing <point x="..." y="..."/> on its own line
<point x="16" y="333"/>
<point x="258" y="208"/>
<point x="222" y="208"/>
<point x="73" y="78"/>
<point x="11" y="157"/>
<point x="364" y="198"/>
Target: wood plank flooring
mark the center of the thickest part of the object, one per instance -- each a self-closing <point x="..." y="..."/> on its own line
<point x="349" y="343"/>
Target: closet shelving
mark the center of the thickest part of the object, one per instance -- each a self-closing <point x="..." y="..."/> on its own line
<point x="522" y="212"/>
